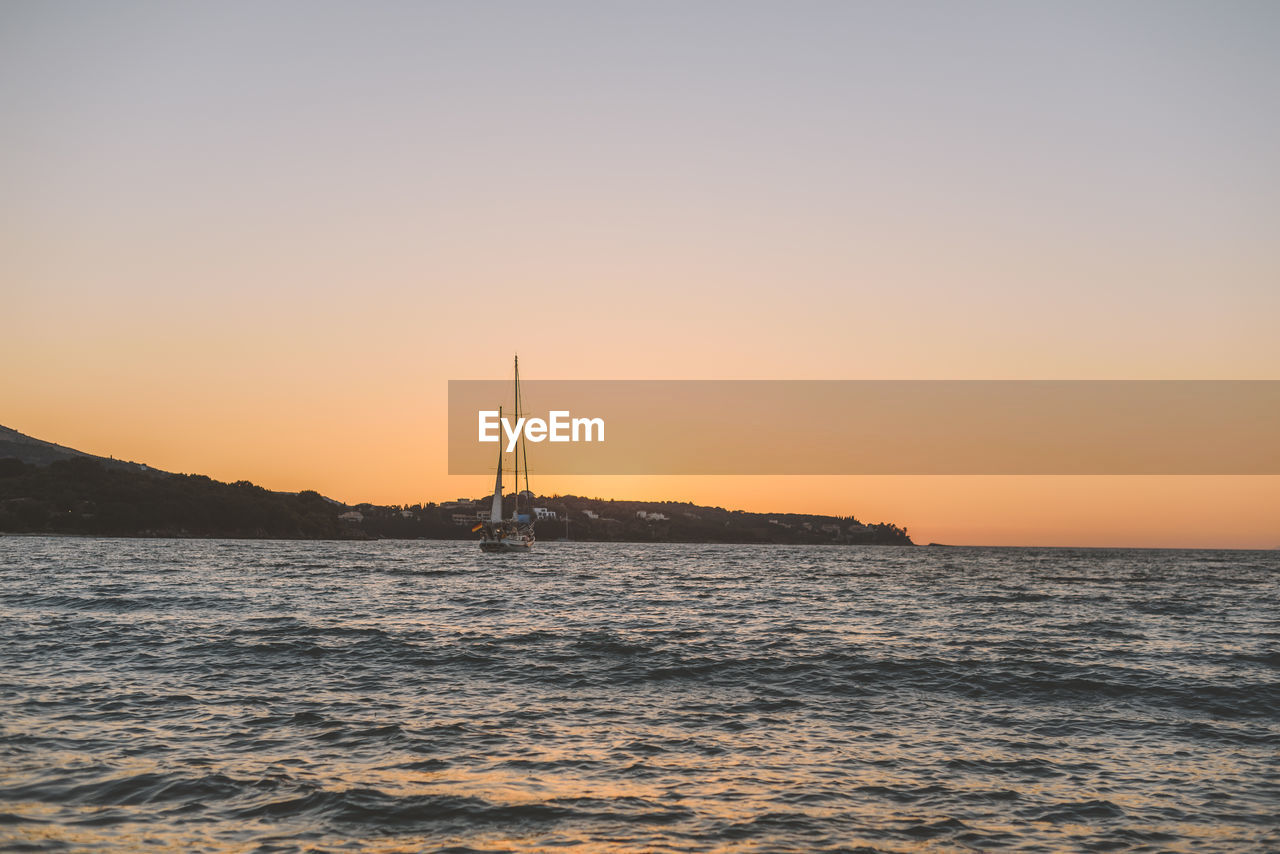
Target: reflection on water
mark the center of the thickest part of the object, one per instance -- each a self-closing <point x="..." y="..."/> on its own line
<point x="247" y="696"/>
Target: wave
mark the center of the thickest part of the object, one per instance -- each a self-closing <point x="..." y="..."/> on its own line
<point x="325" y="696"/>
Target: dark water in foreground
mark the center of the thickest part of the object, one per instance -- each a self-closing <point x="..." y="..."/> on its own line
<point x="271" y="696"/>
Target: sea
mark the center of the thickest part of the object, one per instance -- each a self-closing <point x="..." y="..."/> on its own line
<point x="402" y="696"/>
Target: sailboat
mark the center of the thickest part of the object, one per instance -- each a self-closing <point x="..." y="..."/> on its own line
<point x="514" y="534"/>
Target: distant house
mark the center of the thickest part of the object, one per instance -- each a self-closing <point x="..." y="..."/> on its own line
<point x="460" y="504"/>
<point x="408" y="514"/>
<point x="651" y="517"/>
<point x="544" y="513"/>
<point x="351" y="516"/>
<point x="591" y="514"/>
<point x="464" y="519"/>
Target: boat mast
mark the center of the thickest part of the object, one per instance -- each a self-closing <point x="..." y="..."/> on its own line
<point x="515" y="511"/>
<point x="523" y="447"/>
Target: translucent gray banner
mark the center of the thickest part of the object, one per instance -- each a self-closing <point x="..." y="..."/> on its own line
<point x="711" y="427"/>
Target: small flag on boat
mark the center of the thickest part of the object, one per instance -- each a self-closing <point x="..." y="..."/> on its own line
<point x="478" y="526"/>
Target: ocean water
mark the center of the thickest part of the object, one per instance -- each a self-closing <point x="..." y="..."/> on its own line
<point x="169" y="695"/>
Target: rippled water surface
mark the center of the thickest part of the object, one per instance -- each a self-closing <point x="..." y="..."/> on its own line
<point x="404" y="696"/>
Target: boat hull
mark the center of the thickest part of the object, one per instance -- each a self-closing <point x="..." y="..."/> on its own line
<point x="506" y="545"/>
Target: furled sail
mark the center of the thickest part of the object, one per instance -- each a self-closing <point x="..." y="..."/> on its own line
<point x="495" y="511"/>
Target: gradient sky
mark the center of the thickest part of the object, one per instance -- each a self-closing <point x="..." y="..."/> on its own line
<point x="254" y="240"/>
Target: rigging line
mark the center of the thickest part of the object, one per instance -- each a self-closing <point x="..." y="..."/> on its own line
<point x="515" y="482"/>
<point x="523" y="445"/>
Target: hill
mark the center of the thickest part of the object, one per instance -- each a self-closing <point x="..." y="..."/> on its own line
<point x="81" y="495"/>
<point x="19" y="446"/>
<point x="50" y="489"/>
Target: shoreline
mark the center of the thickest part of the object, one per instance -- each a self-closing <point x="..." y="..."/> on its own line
<point x="545" y="543"/>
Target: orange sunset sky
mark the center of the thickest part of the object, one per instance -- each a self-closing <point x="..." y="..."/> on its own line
<point x="256" y="240"/>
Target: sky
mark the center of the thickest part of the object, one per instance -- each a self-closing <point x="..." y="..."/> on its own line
<point x="255" y="240"/>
